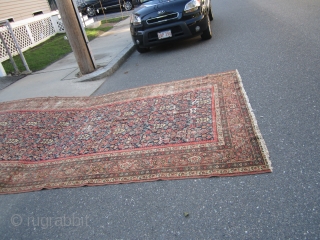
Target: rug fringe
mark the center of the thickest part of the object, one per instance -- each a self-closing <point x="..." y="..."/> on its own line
<point x="255" y="122"/>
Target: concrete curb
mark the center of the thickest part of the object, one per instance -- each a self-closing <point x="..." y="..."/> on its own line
<point x="111" y="67"/>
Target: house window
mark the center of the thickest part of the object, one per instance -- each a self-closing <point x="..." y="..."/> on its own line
<point x="37" y="13"/>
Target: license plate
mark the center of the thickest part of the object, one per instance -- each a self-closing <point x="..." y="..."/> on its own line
<point x="164" y="34"/>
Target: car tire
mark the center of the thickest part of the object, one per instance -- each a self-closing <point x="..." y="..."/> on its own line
<point x="210" y="14"/>
<point x="142" y="50"/>
<point x="207" y="34"/>
<point x="91" y="12"/>
<point x="127" y="5"/>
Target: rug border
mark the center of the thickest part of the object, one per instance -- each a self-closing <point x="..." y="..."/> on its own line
<point x="58" y="98"/>
<point x="138" y="181"/>
<point x="254" y="121"/>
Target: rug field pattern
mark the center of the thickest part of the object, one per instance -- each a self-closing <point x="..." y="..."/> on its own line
<point x="200" y="127"/>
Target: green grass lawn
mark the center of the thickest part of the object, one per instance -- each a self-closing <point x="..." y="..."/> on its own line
<point x="113" y="20"/>
<point x="41" y="55"/>
<point x="92" y="33"/>
<point x="52" y="50"/>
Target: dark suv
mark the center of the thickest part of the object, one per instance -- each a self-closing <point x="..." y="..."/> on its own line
<point x="92" y="7"/>
<point x="160" y="21"/>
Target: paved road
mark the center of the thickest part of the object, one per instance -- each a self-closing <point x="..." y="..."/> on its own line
<point x="275" y="46"/>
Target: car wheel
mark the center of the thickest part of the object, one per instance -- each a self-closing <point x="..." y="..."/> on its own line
<point x="91" y="12"/>
<point x="207" y="34"/>
<point x="142" y="50"/>
<point x="210" y="15"/>
<point x="127" y="5"/>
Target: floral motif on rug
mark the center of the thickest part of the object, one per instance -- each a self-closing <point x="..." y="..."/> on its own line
<point x="194" y="128"/>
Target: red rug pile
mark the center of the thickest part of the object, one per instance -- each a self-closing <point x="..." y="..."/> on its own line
<point x="200" y="127"/>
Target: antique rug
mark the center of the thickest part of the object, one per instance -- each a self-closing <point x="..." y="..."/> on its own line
<point x="194" y="128"/>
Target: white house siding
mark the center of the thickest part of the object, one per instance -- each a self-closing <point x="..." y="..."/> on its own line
<point x="22" y="9"/>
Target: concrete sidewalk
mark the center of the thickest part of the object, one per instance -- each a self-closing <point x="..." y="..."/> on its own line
<point x="110" y="50"/>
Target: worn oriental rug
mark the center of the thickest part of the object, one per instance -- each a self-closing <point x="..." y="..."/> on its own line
<point x="194" y="128"/>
